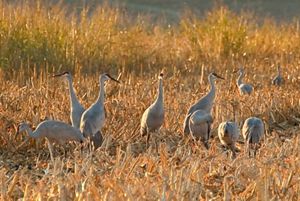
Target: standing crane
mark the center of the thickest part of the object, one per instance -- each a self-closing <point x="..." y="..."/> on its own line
<point x="278" y="79"/>
<point x="92" y="120"/>
<point x="253" y="130"/>
<point x="54" y="131"/>
<point x="76" y="108"/>
<point x="200" y="126"/>
<point x="153" y="117"/>
<point x="205" y="103"/>
<point x="229" y="133"/>
<point x="243" y="88"/>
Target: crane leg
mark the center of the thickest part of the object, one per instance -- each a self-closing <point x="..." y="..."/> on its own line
<point x="248" y="146"/>
<point x="249" y="150"/>
<point x="50" y="147"/>
<point x="246" y="150"/>
<point x="255" y="149"/>
<point x="65" y="152"/>
<point x="148" y="138"/>
<point x="225" y="149"/>
<point x="233" y="154"/>
<point x="205" y="143"/>
<point x="90" y="144"/>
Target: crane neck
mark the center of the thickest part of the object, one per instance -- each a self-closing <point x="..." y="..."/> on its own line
<point x="234" y="113"/>
<point x="30" y="132"/>
<point x="101" y="95"/>
<point x="239" y="80"/>
<point x="160" y="91"/>
<point x="278" y="71"/>
<point x="73" y="98"/>
<point x="212" y="90"/>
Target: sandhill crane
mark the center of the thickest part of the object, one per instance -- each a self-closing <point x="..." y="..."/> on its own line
<point x="92" y="120"/>
<point x="76" y="108"/>
<point x="153" y="117"/>
<point x="253" y="130"/>
<point x="243" y="88"/>
<point x="54" y="131"/>
<point x="278" y="80"/>
<point x="229" y="133"/>
<point x="205" y="103"/>
<point x="200" y="125"/>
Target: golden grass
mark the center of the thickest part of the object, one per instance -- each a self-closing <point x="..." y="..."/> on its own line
<point x="173" y="167"/>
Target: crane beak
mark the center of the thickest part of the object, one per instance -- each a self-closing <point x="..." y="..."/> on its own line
<point x="218" y="76"/>
<point x="60" y="74"/>
<point x="113" y="79"/>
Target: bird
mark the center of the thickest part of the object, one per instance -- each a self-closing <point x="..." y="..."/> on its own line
<point x="93" y="118"/>
<point x="243" y="88"/>
<point x="153" y="117"/>
<point x="205" y="103"/>
<point x="200" y="126"/>
<point x="55" y="131"/>
<point x="278" y="79"/>
<point x="253" y="130"/>
<point x="228" y="133"/>
<point x="76" y="108"/>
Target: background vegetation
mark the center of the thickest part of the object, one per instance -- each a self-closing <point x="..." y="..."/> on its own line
<point x="34" y="35"/>
<point x="37" y="40"/>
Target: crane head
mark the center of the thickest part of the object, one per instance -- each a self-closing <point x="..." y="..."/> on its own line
<point x="65" y="74"/>
<point x="107" y="76"/>
<point x="214" y="75"/>
<point x="22" y="127"/>
<point x="161" y="75"/>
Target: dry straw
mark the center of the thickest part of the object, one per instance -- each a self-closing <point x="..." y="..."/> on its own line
<point x="36" y="40"/>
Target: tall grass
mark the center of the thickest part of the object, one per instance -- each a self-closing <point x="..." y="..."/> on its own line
<point x="34" y="34"/>
<point x="36" y="39"/>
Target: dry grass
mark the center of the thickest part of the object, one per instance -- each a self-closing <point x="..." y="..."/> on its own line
<point x="173" y="167"/>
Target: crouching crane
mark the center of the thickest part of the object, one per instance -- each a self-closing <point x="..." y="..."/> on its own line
<point x="55" y="131"/>
<point x="200" y="126"/>
<point x="229" y="133"/>
<point x="253" y="130"/>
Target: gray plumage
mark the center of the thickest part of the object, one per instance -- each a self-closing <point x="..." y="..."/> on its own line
<point x="243" y="88"/>
<point x="200" y="125"/>
<point x="153" y="117"/>
<point x="76" y="108"/>
<point x="92" y="120"/>
<point x="278" y="79"/>
<point x="205" y="103"/>
<point x="54" y="131"/>
<point x="253" y="130"/>
<point x="229" y="133"/>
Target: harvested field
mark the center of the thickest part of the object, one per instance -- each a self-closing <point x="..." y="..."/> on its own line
<point x="36" y="41"/>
